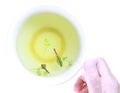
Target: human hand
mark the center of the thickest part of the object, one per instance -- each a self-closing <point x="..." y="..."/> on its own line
<point x="97" y="78"/>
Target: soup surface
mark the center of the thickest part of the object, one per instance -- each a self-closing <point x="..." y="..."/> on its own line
<point x="47" y="44"/>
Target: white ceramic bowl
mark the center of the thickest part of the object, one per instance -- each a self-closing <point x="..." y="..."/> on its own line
<point x="77" y="65"/>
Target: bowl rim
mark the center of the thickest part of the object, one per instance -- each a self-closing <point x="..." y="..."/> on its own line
<point x="59" y="79"/>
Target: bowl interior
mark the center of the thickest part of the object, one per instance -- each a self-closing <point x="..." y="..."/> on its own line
<point x="48" y="44"/>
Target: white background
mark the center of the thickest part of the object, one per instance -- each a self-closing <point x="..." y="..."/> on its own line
<point x="100" y="23"/>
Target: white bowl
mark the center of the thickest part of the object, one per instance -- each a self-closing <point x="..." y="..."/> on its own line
<point x="77" y="65"/>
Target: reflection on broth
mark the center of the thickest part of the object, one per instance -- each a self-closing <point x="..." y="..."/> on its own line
<point x="47" y="44"/>
<point x="44" y="41"/>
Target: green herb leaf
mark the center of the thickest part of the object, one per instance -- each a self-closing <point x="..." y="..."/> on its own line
<point x="64" y="58"/>
<point x="60" y="62"/>
<point x="46" y="42"/>
<point x="37" y="71"/>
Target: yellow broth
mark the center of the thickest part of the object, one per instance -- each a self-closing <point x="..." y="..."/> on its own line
<point x="39" y="35"/>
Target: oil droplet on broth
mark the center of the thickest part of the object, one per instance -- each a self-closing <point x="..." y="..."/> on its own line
<point x="44" y="41"/>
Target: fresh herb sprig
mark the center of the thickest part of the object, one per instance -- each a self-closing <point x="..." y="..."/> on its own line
<point x="43" y="66"/>
<point x="59" y="60"/>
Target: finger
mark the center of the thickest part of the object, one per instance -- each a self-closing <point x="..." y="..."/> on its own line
<point x="109" y="82"/>
<point x="103" y="68"/>
<point x="91" y="76"/>
<point x="79" y="84"/>
<point x="84" y="90"/>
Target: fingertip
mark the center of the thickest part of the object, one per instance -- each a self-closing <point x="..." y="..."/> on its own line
<point x="100" y="59"/>
<point x="89" y="65"/>
<point x="79" y="84"/>
<point x="76" y="88"/>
